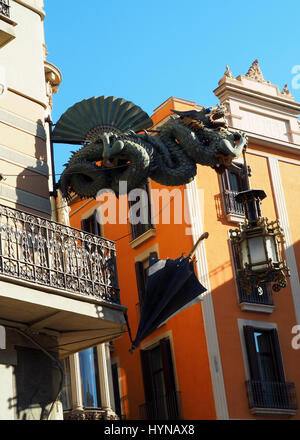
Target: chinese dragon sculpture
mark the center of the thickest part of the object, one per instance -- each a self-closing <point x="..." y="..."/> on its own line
<point x="118" y="145"/>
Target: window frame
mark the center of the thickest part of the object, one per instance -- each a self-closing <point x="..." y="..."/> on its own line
<point x="234" y="211"/>
<point x="142" y="228"/>
<point x="171" y="396"/>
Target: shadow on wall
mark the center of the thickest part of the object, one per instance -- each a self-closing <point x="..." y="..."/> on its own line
<point x="33" y="180"/>
<point x="36" y="382"/>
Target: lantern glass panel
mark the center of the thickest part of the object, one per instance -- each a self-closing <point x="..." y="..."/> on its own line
<point x="244" y="250"/>
<point x="271" y="248"/>
<point x="257" y="253"/>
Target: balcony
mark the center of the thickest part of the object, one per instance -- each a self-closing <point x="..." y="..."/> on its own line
<point x="164" y="407"/>
<point x="59" y="280"/>
<point x="4" y="8"/>
<point x="234" y="211"/>
<point x="272" y="397"/>
<point x="256" y="302"/>
<point x="7" y="32"/>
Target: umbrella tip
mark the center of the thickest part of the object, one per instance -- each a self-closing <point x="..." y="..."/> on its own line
<point x="133" y="347"/>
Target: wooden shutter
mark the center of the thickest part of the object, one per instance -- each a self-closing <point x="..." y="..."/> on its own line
<point x="167" y="363"/>
<point x="84" y="225"/>
<point x="169" y="379"/>
<point x="251" y="351"/>
<point x="96" y="226"/>
<point x="276" y="352"/>
<point x="147" y="375"/>
<point x="140" y="279"/>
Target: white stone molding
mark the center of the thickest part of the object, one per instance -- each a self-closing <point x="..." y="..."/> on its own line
<point x="105" y="378"/>
<point x="22" y="124"/>
<point x="284" y="222"/>
<point x="207" y="304"/>
<point x="24" y="198"/>
<point x="76" y="391"/>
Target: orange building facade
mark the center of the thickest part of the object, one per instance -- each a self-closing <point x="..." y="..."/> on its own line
<point x="231" y="355"/>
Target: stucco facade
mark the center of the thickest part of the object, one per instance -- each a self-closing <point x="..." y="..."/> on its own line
<point x="207" y="348"/>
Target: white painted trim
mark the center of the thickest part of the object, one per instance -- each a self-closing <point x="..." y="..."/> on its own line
<point x="279" y="158"/>
<point x="142" y="238"/>
<point x="284" y="222"/>
<point x="207" y="304"/>
<point x="259" y="324"/>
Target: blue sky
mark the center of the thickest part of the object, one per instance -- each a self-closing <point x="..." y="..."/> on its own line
<point x="148" y="51"/>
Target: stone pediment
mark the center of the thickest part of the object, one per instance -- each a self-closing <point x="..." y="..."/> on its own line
<point x="258" y="107"/>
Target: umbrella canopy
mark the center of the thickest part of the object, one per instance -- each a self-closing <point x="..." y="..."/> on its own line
<point x="171" y="286"/>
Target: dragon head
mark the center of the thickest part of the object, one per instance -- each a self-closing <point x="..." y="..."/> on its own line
<point x="216" y="116"/>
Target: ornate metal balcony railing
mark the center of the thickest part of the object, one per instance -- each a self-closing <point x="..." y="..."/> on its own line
<point x="50" y="254"/>
<point x="164" y="407"/>
<point x="231" y="206"/>
<point x="4" y="8"/>
<point x="255" y="297"/>
<point x="271" y="395"/>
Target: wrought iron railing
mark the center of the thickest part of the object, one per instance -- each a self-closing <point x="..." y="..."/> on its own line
<point x="163" y="407"/>
<point x="4" y="8"/>
<point x="231" y="206"/>
<point x="50" y="254"/>
<point x="271" y="395"/>
<point x="262" y="295"/>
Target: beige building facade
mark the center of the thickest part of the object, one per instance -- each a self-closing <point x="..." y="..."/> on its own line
<point x="52" y="300"/>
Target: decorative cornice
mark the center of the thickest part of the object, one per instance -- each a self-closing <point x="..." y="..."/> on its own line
<point x="255" y="73"/>
<point x="53" y="79"/>
<point x="35" y="9"/>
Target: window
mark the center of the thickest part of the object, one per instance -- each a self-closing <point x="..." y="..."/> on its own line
<point x="117" y="398"/>
<point x="141" y="270"/>
<point x="143" y="203"/>
<point x="90" y="378"/>
<point x="159" y="383"/>
<point x="267" y="387"/>
<point x="262" y="296"/>
<point x="232" y="183"/>
<point x="91" y="224"/>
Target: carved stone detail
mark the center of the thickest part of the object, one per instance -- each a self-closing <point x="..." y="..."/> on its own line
<point x="285" y="91"/>
<point x="91" y="414"/>
<point x="227" y="73"/>
<point x="255" y="72"/>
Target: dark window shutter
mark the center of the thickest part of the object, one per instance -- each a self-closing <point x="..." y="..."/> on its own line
<point x="96" y="225"/>
<point x="91" y="224"/>
<point x="225" y="180"/>
<point x="167" y="362"/>
<point x="277" y="355"/>
<point x="84" y="224"/>
<point x="140" y="279"/>
<point x="251" y="351"/>
<point x="147" y="375"/>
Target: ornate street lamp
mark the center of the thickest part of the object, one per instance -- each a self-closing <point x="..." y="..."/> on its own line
<point x="258" y="243"/>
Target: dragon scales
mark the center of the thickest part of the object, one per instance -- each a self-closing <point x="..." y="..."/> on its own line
<point x="117" y="146"/>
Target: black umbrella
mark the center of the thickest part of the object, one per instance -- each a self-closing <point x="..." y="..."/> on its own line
<point x="171" y="286"/>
